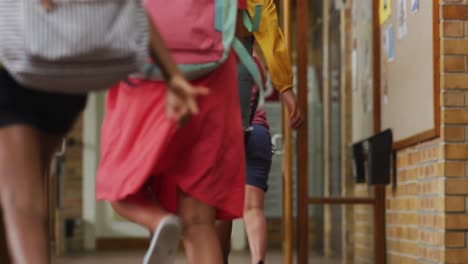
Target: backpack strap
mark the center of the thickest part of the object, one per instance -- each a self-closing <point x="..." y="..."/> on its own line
<point x="252" y="25"/>
<point x="254" y="107"/>
<point x="246" y="59"/>
<point x="219" y="15"/>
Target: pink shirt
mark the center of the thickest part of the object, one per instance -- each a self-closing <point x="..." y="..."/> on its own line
<point x="260" y="117"/>
<point x="242" y="4"/>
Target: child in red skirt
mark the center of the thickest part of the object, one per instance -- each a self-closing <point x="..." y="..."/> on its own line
<point x="151" y="168"/>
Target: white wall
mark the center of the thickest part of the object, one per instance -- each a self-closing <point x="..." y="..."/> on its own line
<point x="90" y="162"/>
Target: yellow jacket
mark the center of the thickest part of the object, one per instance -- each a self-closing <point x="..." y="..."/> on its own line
<point x="271" y="41"/>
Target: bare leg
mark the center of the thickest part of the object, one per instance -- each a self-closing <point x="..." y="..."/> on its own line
<point x="255" y="222"/>
<point x="141" y="208"/>
<point x="200" y="239"/>
<point x="22" y="193"/>
<point x="224" y="229"/>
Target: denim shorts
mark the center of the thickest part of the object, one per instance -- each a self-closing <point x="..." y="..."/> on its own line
<point x="259" y="155"/>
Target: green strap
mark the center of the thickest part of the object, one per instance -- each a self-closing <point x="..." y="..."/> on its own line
<point x="247" y="60"/>
<point x="252" y="25"/>
<point x="219" y="15"/>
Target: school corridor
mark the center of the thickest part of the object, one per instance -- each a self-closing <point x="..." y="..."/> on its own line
<point x="378" y="173"/>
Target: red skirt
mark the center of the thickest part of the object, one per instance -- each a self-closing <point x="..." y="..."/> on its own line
<point x="204" y="159"/>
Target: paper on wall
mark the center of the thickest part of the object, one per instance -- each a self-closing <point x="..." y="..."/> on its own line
<point x="385" y="10"/>
<point x="402" y="19"/>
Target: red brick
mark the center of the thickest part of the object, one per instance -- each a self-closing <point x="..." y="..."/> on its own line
<point x="455" y="116"/>
<point x="456" y="151"/>
<point x="458" y="256"/>
<point x="456" y="186"/>
<point x="455" y="239"/>
<point x="454" y="63"/>
<point x="455" y="203"/>
<point x="453" y="98"/>
<point x="455" y="169"/>
<point x="455" y="46"/>
<point x="456" y="221"/>
<point x="455" y="12"/>
<point x="453" y="28"/>
<point x="456" y="80"/>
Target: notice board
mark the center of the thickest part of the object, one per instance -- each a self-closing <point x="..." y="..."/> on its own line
<point x="409" y="69"/>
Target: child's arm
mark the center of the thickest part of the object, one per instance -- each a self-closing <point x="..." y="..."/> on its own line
<point x="181" y="98"/>
<point x="271" y="41"/>
<point x="160" y="53"/>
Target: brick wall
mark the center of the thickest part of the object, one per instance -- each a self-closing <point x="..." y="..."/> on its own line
<point x="363" y="229"/>
<point x="427" y="214"/>
<point x="454" y="127"/>
<point x="415" y="209"/>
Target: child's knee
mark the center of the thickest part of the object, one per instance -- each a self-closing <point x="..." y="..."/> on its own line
<point x="196" y="217"/>
<point x="196" y="213"/>
<point x="26" y="204"/>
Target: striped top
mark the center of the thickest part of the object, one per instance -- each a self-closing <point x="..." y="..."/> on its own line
<point x="80" y="46"/>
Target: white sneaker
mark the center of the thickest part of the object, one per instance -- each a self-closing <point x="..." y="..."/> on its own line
<point x="165" y="242"/>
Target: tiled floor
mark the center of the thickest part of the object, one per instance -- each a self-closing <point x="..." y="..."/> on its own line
<point x="136" y="257"/>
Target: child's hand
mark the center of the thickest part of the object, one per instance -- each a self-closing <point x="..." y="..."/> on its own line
<point x="181" y="99"/>
<point x="295" y="116"/>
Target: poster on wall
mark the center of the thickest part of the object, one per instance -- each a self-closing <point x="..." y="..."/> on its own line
<point x="402" y="19"/>
<point x="385" y="86"/>
<point x="385" y="44"/>
<point x="390" y="44"/>
<point x="414" y="6"/>
<point x="366" y="93"/>
<point x="385" y="10"/>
